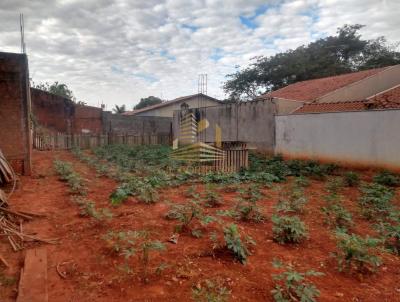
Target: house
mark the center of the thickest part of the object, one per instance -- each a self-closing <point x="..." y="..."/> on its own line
<point x="369" y="89"/>
<point x="166" y="109"/>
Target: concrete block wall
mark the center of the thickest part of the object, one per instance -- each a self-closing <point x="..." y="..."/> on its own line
<point x="363" y="138"/>
<point x="136" y="125"/>
<point x="250" y="122"/>
<point x="15" y="138"/>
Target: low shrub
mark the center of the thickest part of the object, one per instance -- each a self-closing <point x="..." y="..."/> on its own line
<point x="211" y="291"/>
<point x="247" y="208"/>
<point x="375" y="200"/>
<point x="288" y="229"/>
<point x="67" y="173"/>
<point x="293" y="285"/>
<point x="387" y="178"/>
<point x="129" y="243"/>
<point x="301" y="181"/>
<point x="186" y="214"/>
<point x="351" y="179"/>
<point x="390" y="232"/>
<point x="235" y="244"/>
<point x="294" y="203"/>
<point x="356" y="253"/>
<point x="88" y="208"/>
<point x="212" y="198"/>
<point x="337" y="216"/>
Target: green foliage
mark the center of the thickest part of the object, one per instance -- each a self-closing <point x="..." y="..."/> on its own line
<point x="301" y="181"/>
<point x="247" y="208"/>
<point x="149" y="101"/>
<point x="191" y="192"/>
<point x="212" y="198"/>
<point x="288" y="229"/>
<point x="337" y="216"/>
<point x="66" y="173"/>
<point x="211" y="291"/>
<point x="293" y="285"/>
<point x="375" y="200"/>
<point x="342" y="53"/>
<point x="235" y="244"/>
<point x="57" y="89"/>
<point x="119" y="109"/>
<point x="390" y="232"/>
<point x="186" y="214"/>
<point x="387" y="178"/>
<point x="356" y="253"/>
<point x="130" y="243"/>
<point x="351" y="179"/>
<point x="294" y="203"/>
<point x="88" y="208"/>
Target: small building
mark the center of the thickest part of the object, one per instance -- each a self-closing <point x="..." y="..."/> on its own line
<point x="361" y="90"/>
<point x="166" y="109"/>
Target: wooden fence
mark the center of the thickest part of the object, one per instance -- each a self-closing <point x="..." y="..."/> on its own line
<point x="62" y="141"/>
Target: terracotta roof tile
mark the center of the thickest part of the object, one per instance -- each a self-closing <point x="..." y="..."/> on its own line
<point x="389" y="99"/>
<point x="332" y="107"/>
<point x="313" y="89"/>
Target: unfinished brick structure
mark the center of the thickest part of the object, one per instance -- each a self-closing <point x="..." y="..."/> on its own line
<point x="60" y="114"/>
<point x="15" y="138"/>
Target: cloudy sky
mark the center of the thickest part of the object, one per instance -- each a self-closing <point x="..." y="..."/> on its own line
<point x="118" y="51"/>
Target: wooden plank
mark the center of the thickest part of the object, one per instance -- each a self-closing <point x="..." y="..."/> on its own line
<point x="33" y="281"/>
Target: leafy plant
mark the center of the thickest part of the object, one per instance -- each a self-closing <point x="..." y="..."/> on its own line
<point x="390" y="231"/>
<point x="129" y="243"/>
<point x="301" y="181"/>
<point x="288" y="229"/>
<point x="375" y="200"/>
<point x="295" y="203"/>
<point x="212" y="198"/>
<point x="387" y="178"/>
<point x="351" y="179"/>
<point x="88" y="208"/>
<point x="337" y="216"/>
<point x="356" y="253"/>
<point x="235" y="244"/>
<point x="66" y="173"/>
<point x="293" y="285"/>
<point x="186" y="214"/>
<point x="210" y="291"/>
<point x="191" y="192"/>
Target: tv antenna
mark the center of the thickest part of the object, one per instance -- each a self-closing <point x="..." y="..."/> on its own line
<point x="202" y="84"/>
<point x="22" y="29"/>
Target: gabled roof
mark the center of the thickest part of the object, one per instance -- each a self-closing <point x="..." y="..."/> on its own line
<point x="167" y="103"/>
<point x="310" y="90"/>
<point x="389" y="99"/>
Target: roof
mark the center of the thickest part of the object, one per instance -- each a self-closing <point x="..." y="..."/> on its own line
<point x="167" y="103"/>
<point x="310" y="90"/>
<point x="331" y="107"/>
<point x="389" y="99"/>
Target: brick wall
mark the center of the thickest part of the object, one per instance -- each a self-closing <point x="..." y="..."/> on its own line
<point x="52" y="111"/>
<point x="15" y="139"/>
<point x="61" y="115"/>
<point x="87" y="119"/>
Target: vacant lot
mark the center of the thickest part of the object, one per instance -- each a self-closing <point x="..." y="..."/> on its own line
<point x="132" y="225"/>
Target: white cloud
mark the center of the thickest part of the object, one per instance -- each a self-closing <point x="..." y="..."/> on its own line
<point x="122" y="50"/>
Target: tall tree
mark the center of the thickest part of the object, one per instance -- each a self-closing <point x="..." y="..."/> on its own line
<point x="333" y="55"/>
<point x="119" y="109"/>
<point x="56" y="88"/>
<point x="146" y="102"/>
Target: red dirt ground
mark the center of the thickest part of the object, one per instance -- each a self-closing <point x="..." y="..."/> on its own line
<point x="92" y="273"/>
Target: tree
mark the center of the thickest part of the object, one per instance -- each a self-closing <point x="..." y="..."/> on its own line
<point x="333" y="55"/>
<point x="146" y="102"/>
<point x="119" y="109"/>
<point x="57" y="89"/>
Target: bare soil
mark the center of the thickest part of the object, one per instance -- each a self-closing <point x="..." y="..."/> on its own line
<point x="92" y="272"/>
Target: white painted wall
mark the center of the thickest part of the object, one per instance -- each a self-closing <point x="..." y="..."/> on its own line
<point x="369" y="138"/>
